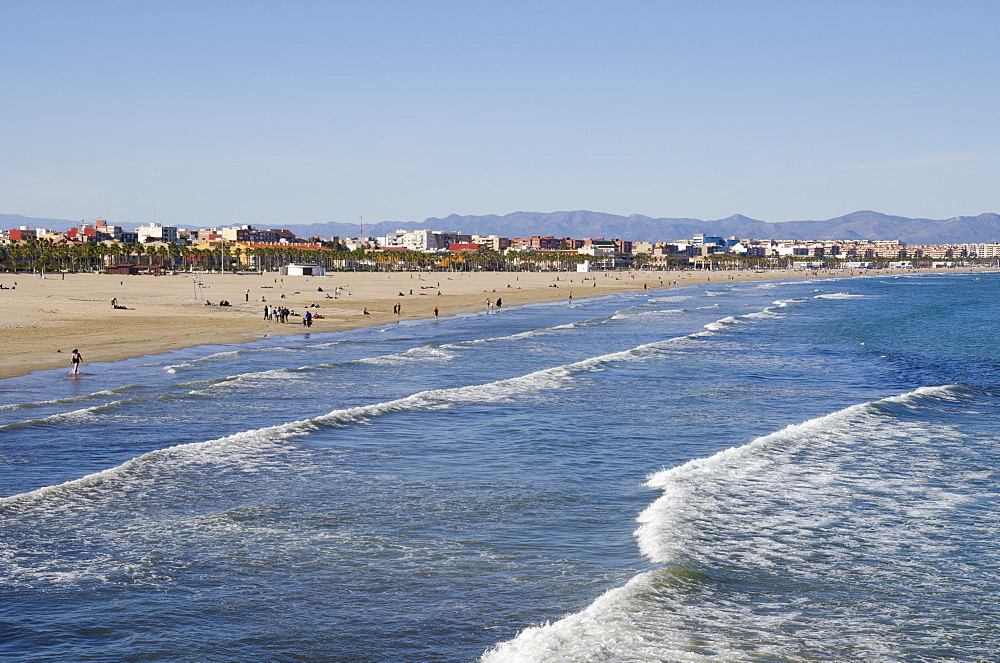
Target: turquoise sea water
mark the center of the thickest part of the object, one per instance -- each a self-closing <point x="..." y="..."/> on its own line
<point x="801" y="471"/>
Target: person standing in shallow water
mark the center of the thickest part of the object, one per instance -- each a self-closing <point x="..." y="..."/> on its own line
<point x="76" y="359"/>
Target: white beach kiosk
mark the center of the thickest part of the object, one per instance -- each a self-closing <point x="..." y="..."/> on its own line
<point x="294" y="269"/>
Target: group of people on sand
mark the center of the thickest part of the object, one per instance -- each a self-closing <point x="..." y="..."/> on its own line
<point x="277" y="314"/>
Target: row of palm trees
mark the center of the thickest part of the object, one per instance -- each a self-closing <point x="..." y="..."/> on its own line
<point x="45" y="255"/>
<point x="42" y="255"/>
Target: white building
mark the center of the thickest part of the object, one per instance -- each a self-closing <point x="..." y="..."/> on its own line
<point x="991" y="250"/>
<point x="793" y="250"/>
<point x="293" y="269"/>
<point x="154" y="232"/>
<point x="423" y="240"/>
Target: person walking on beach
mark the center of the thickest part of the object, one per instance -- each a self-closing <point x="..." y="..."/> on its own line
<point x="76" y="359"/>
<point x="435" y="312"/>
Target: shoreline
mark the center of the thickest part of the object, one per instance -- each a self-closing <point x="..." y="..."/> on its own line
<point x="44" y="319"/>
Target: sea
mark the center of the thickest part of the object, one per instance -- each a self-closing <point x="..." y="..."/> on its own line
<point x="799" y="470"/>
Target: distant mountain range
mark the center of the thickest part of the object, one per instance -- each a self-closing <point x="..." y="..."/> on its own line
<point x="857" y="225"/>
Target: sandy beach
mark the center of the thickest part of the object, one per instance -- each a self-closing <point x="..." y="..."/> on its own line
<point x="44" y="319"/>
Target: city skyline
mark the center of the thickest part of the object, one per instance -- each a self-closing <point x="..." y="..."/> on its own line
<point x="256" y="113"/>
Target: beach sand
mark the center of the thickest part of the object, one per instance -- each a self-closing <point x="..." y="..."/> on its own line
<point x="43" y="319"/>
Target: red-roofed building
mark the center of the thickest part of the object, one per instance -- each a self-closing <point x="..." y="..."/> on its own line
<point x="21" y="234"/>
<point x="84" y="233"/>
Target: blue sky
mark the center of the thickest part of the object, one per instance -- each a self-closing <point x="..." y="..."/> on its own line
<point x="271" y="113"/>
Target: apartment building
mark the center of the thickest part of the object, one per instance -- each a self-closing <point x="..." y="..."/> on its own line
<point x="248" y="234"/>
<point x="423" y="240"/>
<point x="155" y="232"/>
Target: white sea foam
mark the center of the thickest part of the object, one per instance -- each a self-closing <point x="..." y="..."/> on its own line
<point x="230" y="450"/>
<point x="837" y="295"/>
<point x="69" y="399"/>
<point x="421" y="353"/>
<point x="766" y="313"/>
<point x="722" y="323"/>
<point x="81" y="414"/>
<point x="530" y="333"/>
<point x="782" y="303"/>
<point x="779" y="512"/>
<point x="249" y="378"/>
<point x="646" y="314"/>
<point x="669" y="299"/>
<point x="230" y="355"/>
<point x="658" y="532"/>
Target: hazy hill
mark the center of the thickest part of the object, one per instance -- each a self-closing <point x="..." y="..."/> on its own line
<point x="857" y="225"/>
<point x="8" y="221"/>
<point x="581" y="223"/>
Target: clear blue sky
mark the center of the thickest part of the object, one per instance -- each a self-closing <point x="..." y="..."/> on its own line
<point x="299" y="112"/>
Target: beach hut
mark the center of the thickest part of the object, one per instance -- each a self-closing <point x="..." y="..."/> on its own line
<point x="122" y="269"/>
<point x="294" y="269"/>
